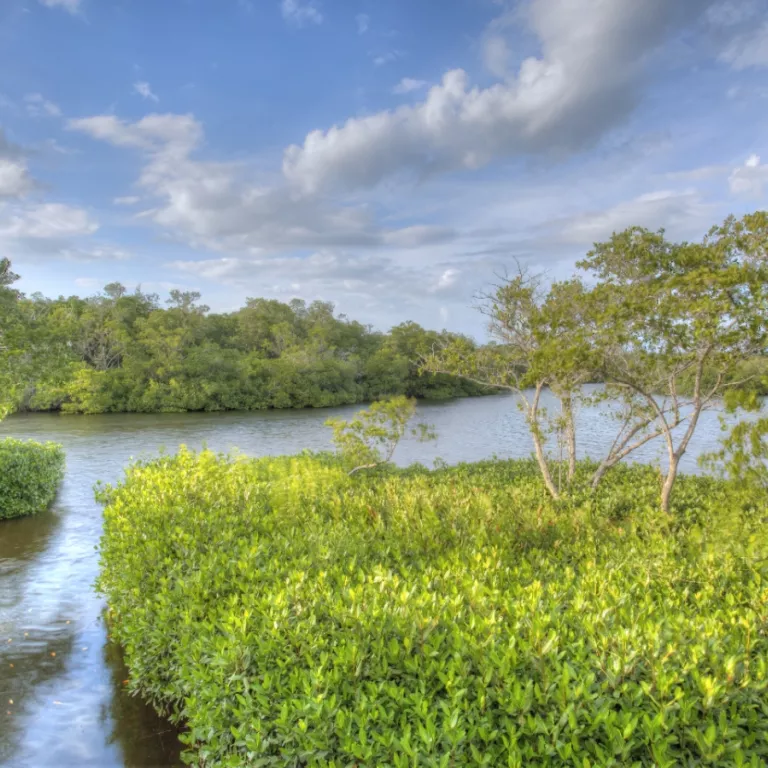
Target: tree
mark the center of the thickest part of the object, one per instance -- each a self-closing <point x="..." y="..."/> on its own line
<point x="743" y="455"/>
<point x="541" y="343"/>
<point x="671" y="322"/>
<point x="371" y="437"/>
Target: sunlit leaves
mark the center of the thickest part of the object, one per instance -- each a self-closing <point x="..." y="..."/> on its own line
<point x="371" y="437"/>
<point x="288" y="614"/>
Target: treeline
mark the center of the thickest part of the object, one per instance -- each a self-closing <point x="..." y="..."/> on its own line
<point x="122" y="351"/>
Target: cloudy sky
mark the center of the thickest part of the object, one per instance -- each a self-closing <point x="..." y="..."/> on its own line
<point x="388" y="155"/>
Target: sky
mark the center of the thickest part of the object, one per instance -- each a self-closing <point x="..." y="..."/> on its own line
<point x="391" y="156"/>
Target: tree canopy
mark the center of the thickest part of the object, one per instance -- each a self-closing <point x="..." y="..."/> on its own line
<point x="121" y="351"/>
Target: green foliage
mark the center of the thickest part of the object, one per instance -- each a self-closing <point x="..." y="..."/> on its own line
<point x="370" y="438"/>
<point x="30" y="474"/>
<point x="124" y="352"/>
<point x="291" y="615"/>
<point x="743" y="455"/>
<point x="670" y="328"/>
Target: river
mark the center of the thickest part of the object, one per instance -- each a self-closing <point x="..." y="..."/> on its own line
<point x="63" y="701"/>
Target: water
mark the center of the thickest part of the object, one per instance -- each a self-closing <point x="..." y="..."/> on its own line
<point x="59" y="669"/>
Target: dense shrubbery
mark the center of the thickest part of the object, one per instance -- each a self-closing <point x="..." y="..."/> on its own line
<point x="292" y="615"/>
<point x="30" y="473"/>
<point x="121" y="352"/>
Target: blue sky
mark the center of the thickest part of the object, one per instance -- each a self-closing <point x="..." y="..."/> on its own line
<point x="388" y="156"/>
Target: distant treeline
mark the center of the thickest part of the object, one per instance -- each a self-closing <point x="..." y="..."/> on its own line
<point x="125" y="352"/>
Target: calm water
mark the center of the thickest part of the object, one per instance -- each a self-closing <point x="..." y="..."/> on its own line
<point x="58" y="668"/>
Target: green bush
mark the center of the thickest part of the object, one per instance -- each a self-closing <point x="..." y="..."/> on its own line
<point x="30" y="474"/>
<point x="290" y="615"/>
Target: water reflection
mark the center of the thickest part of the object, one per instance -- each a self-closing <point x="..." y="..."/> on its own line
<point x="143" y="737"/>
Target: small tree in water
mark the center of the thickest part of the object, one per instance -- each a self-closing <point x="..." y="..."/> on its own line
<point x="371" y="437"/>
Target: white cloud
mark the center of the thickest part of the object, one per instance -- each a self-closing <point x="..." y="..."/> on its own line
<point x="681" y="213"/>
<point x="301" y="13"/>
<point x="749" y="49"/>
<point x="363" y="23"/>
<point x="585" y="81"/>
<point x="143" y="89"/>
<point x="127" y="200"/>
<point x="37" y="106"/>
<point x="446" y="280"/>
<point x="15" y="180"/>
<point x="408" y="84"/>
<point x="387" y="58"/>
<point x="750" y="178"/>
<point x="496" y="55"/>
<point x="172" y="134"/>
<point x="46" y="221"/>
<point x="210" y="205"/>
<point x="371" y="280"/>
<point x="71" y="6"/>
<point x="95" y="253"/>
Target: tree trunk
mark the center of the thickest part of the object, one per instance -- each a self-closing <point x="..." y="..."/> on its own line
<point x="533" y="422"/>
<point x="599" y="474"/>
<point x="570" y="436"/>
<point x="543" y="466"/>
<point x="669" y="483"/>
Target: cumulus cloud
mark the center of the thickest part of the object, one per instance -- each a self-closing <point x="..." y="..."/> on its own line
<point x="46" y="221"/>
<point x="71" y="6"/>
<point x="38" y="106"/>
<point x="15" y="180"/>
<point x="127" y="200"/>
<point x="750" y="178"/>
<point x="587" y="78"/>
<point x="209" y="204"/>
<point x="144" y="90"/>
<point x="408" y="84"/>
<point x="300" y="13"/>
<point x="496" y="55"/>
<point x="172" y="134"/>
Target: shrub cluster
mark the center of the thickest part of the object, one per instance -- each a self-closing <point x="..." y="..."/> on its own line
<point x="290" y="615"/>
<point x="30" y="474"/>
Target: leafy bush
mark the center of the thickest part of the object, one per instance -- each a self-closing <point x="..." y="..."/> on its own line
<point x="30" y="473"/>
<point x="292" y="615"/>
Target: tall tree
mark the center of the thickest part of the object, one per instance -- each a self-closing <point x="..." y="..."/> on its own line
<point x="672" y="321"/>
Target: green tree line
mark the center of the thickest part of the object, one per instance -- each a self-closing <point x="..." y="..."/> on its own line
<point x="121" y="351"/>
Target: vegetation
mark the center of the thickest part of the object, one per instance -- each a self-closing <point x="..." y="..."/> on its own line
<point x="291" y="615"/>
<point x="30" y="474"/>
<point x="369" y="439"/>
<point x="669" y="328"/>
<point x="123" y="352"/>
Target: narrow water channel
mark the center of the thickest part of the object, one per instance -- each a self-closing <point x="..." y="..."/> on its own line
<point x="62" y="682"/>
